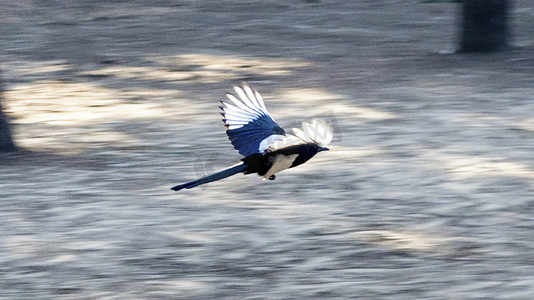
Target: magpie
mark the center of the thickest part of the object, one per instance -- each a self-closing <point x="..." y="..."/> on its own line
<point x="266" y="147"/>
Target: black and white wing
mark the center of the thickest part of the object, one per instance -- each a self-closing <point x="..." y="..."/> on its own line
<point x="249" y="126"/>
<point x="316" y="132"/>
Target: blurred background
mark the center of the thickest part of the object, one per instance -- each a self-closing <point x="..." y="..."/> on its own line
<point x="427" y="192"/>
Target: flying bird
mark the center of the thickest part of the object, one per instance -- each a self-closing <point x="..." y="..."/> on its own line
<point x="266" y="147"/>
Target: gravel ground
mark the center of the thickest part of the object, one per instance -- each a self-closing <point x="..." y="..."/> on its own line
<point x="427" y="192"/>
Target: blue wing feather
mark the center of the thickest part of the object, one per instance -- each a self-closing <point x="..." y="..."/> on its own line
<point x="248" y="122"/>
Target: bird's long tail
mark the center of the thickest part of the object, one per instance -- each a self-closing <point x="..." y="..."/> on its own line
<point x="213" y="177"/>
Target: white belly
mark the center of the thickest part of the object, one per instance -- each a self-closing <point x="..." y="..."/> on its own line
<point x="279" y="163"/>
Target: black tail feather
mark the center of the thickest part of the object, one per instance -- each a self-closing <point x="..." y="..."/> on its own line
<point x="213" y="177"/>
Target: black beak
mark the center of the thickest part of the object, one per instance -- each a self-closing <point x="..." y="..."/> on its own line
<point x="322" y="149"/>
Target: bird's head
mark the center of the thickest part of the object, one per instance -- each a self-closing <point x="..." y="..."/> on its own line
<point x="320" y="148"/>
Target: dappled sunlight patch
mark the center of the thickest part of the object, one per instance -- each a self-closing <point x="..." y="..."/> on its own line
<point x="50" y="68"/>
<point x="21" y="246"/>
<point x="361" y="112"/>
<point x="64" y="103"/>
<point x="317" y="101"/>
<point x="215" y="68"/>
<point x="179" y="285"/>
<point x="73" y="141"/>
<point x="112" y="138"/>
<point x="527" y="125"/>
<point x="72" y="117"/>
<point x="202" y="68"/>
<point x="493" y="121"/>
<point x="470" y="166"/>
<point x="426" y="88"/>
<point x="232" y="61"/>
<point x="189" y="236"/>
<point x="143" y="73"/>
<point x="401" y="240"/>
<point x="37" y="69"/>
<point x="63" y="258"/>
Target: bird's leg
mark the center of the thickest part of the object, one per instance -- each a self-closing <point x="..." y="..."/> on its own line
<point x="272" y="177"/>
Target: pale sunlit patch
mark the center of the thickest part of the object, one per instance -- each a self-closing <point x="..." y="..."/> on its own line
<point x="492" y="121"/>
<point x="48" y="69"/>
<point x="39" y="69"/>
<point x="201" y="68"/>
<point x="264" y="65"/>
<point x="152" y="73"/>
<point x="63" y="258"/>
<point x="68" y="104"/>
<point x="398" y="240"/>
<point x="526" y="125"/>
<point x="181" y="285"/>
<point x="316" y="101"/>
<point x="21" y="246"/>
<point x="469" y="166"/>
<point x="190" y="236"/>
<point x="70" y="118"/>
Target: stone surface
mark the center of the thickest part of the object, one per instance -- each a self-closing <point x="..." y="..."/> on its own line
<point x="427" y="192"/>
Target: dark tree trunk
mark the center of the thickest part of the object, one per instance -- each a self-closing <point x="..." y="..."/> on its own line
<point x="484" y="25"/>
<point x="6" y="142"/>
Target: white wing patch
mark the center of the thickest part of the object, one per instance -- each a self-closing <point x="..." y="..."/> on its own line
<point x="268" y="142"/>
<point x="247" y="107"/>
<point x="317" y="132"/>
<point x="286" y="141"/>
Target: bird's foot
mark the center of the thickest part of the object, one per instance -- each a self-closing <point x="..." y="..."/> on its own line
<point x="272" y="177"/>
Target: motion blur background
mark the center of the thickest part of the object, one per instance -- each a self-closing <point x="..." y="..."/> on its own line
<point x="427" y="192"/>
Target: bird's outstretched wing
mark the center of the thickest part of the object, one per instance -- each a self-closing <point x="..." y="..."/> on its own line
<point x="316" y="132"/>
<point x="249" y="126"/>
